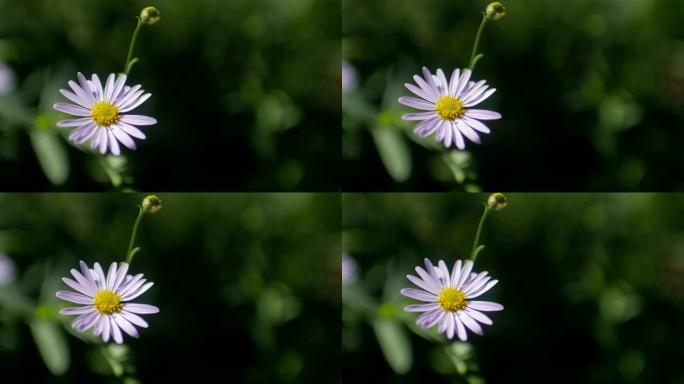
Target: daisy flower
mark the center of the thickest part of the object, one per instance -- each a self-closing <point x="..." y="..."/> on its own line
<point x="104" y="301"/>
<point x="449" y="297"/>
<point x="447" y="106"/>
<point x="100" y="112"/>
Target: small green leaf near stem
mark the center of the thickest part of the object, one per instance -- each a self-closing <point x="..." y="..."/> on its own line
<point x="476" y="243"/>
<point x="129" y="61"/>
<point x="131" y="251"/>
<point x="474" y="56"/>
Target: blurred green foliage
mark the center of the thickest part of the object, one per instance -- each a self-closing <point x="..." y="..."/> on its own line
<point x="246" y="93"/>
<point x="247" y="285"/>
<point x="592" y="285"/>
<point x="591" y="92"/>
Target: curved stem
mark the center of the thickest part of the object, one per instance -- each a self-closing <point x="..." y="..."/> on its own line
<point x="131" y="251"/>
<point x="476" y="247"/>
<point x="129" y="64"/>
<point x="474" y="56"/>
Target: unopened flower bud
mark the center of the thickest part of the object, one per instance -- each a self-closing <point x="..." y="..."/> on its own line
<point x="495" y="11"/>
<point x="497" y="201"/>
<point x="149" y="15"/>
<point x="151" y="204"/>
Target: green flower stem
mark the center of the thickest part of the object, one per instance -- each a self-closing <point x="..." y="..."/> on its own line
<point x="131" y="251"/>
<point x="129" y="62"/>
<point x="474" y="56"/>
<point x="476" y="247"/>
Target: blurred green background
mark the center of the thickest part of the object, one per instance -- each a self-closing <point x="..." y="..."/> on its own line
<point x="592" y="285"/>
<point x="246" y="93"/>
<point x="248" y="287"/>
<point x="591" y="92"/>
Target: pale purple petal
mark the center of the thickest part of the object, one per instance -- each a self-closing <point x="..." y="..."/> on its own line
<point x="482" y="290"/>
<point x="480" y="99"/>
<point x="468" y="132"/>
<point x="482" y="114"/>
<point x="71" y="109"/>
<point x="76" y="310"/>
<point x="125" y="325"/>
<point x="135" y="319"/>
<point x="470" y="323"/>
<point x="462" y="334"/>
<point x="116" y="332"/>
<point x="123" y="136"/>
<point x="421" y="307"/>
<point x="485" y="305"/>
<point x="140" y="308"/>
<point x="476" y="124"/>
<point x="416" y="103"/>
<point x="479" y="316"/>
<point x="138" y="120"/>
<point x="418" y="116"/>
<point x="418" y="295"/>
<point x="137" y="292"/>
<point x="74" y="297"/>
<point x="131" y="130"/>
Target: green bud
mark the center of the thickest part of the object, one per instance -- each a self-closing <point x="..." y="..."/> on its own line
<point x="149" y="15"/>
<point x="151" y="204"/>
<point x="497" y="201"/>
<point x="495" y="11"/>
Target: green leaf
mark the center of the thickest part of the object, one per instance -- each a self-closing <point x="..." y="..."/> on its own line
<point x="393" y="151"/>
<point x="51" y="155"/>
<point x="394" y="344"/>
<point x="51" y="344"/>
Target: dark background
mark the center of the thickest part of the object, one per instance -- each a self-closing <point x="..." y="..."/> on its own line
<point x="247" y="285"/>
<point x="592" y="286"/>
<point x="591" y="93"/>
<point x="246" y="92"/>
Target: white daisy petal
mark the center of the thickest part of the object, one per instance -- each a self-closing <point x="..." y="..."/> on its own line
<point x="76" y="310"/>
<point x="467" y="131"/>
<point x="135" y="319"/>
<point x="480" y="99"/>
<point x="430" y="318"/>
<point x="418" y="116"/>
<point x="135" y="102"/>
<point x="123" y="137"/>
<point x="476" y="124"/>
<point x="113" y="144"/>
<point x="74" y="297"/>
<point x="419" y="92"/>
<point x="416" y="103"/>
<point x="75" y="98"/>
<point x="116" y="331"/>
<point x="479" y="316"/>
<point x="131" y="130"/>
<point x="460" y="143"/>
<point x="462" y="334"/>
<point x="467" y="267"/>
<point x="141" y="309"/>
<point x="421" y="307"/>
<point x="453" y="83"/>
<point x="485" y="305"/>
<point x="482" y="114"/>
<point x="470" y="323"/>
<point x="427" y="127"/>
<point x="482" y="290"/>
<point x="418" y="294"/>
<point x="71" y="109"/>
<point x="125" y="325"/>
<point x="137" y="292"/>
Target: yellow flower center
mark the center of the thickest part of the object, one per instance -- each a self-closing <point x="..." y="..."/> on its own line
<point x="449" y="108"/>
<point x="105" y="113"/>
<point x="452" y="299"/>
<point x="107" y="302"/>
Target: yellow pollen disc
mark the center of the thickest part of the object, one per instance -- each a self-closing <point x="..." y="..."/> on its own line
<point x="107" y="302"/>
<point x="449" y="108"/>
<point x="452" y="299"/>
<point x="105" y="113"/>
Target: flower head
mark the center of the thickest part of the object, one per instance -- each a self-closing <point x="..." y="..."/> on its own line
<point x="7" y="270"/>
<point x="149" y="15"/>
<point x="350" y="270"/>
<point x="495" y="11"/>
<point x="447" y="106"/>
<point x="101" y="112"/>
<point x="350" y="78"/>
<point x="7" y="79"/>
<point x="104" y="301"/>
<point x="449" y="297"/>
